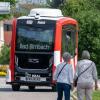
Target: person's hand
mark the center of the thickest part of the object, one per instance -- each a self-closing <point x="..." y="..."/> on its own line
<point x="54" y="81"/>
<point x="96" y="86"/>
<point x="72" y="87"/>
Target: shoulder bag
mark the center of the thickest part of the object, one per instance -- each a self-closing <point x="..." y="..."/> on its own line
<point x="75" y="81"/>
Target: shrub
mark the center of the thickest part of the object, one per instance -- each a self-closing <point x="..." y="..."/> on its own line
<point x="5" y="54"/>
<point x="3" y="73"/>
<point x="3" y="68"/>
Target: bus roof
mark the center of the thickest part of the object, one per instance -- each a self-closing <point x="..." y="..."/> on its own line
<point x="45" y="12"/>
<point x="44" y="18"/>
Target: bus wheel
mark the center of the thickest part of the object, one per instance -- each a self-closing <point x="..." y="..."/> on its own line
<point x="31" y="88"/>
<point x="15" y="87"/>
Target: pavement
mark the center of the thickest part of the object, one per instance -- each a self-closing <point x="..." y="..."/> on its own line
<point x="3" y="83"/>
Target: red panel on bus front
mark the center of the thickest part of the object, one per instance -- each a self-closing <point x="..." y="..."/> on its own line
<point x="12" y="52"/>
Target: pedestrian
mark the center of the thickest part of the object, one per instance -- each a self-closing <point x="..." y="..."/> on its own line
<point x="64" y="77"/>
<point x="87" y="74"/>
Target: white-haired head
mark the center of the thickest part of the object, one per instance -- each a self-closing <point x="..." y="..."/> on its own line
<point x="85" y="54"/>
<point x="66" y="56"/>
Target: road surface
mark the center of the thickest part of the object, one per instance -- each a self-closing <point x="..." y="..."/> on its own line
<point x="41" y="93"/>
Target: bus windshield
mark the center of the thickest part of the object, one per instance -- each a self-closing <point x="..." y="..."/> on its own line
<point x="36" y="39"/>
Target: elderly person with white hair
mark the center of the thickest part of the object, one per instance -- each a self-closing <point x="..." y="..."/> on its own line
<point x="87" y="74"/>
<point x="64" y="77"/>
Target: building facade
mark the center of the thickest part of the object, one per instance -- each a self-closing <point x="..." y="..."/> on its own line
<point x="32" y="1"/>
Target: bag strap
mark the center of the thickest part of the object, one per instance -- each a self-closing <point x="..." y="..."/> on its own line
<point x="84" y="70"/>
<point x="61" y="70"/>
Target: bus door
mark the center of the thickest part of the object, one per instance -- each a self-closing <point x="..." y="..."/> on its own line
<point x="69" y="41"/>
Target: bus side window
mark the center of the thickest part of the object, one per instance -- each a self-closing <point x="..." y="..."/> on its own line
<point x="69" y="39"/>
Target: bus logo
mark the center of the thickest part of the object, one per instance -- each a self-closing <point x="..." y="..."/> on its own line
<point x="41" y="22"/>
<point x="29" y="21"/>
<point x="30" y="60"/>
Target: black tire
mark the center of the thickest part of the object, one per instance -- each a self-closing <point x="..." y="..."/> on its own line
<point x="31" y="88"/>
<point x="15" y="87"/>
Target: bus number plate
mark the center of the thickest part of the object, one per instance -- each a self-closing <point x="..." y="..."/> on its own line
<point x="33" y="78"/>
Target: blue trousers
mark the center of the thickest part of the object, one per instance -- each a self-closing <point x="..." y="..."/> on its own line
<point x="63" y="87"/>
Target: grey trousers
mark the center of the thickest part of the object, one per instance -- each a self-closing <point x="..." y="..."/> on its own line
<point x="84" y="90"/>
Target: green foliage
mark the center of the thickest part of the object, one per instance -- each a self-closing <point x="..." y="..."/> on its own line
<point x="87" y="13"/>
<point x="55" y="3"/>
<point x="5" y="16"/>
<point x="4" y="55"/>
<point x="96" y="95"/>
<point x="11" y="1"/>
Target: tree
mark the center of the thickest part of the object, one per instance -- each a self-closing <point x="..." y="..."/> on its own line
<point x="87" y="13"/>
<point x="4" y="55"/>
<point x="55" y="3"/>
<point x="24" y="9"/>
<point x="12" y="2"/>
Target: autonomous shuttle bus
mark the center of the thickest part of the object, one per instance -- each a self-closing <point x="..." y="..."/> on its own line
<point x="38" y="41"/>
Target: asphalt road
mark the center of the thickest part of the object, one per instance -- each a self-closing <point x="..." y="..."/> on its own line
<point x="41" y="93"/>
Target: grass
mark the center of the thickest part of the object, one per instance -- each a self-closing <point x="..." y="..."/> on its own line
<point x="96" y="95"/>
